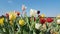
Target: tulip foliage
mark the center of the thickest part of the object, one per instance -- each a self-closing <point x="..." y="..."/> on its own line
<point x="15" y="23"/>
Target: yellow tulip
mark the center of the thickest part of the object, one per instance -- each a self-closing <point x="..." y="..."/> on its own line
<point x="12" y="16"/>
<point x="1" y="21"/>
<point x="42" y="15"/>
<point x="21" y="22"/>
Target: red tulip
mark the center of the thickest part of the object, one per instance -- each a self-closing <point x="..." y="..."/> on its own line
<point x="49" y="20"/>
<point x="42" y="20"/>
<point x="18" y="13"/>
<point x="7" y="15"/>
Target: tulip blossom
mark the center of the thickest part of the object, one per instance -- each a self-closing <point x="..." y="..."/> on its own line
<point x="33" y="12"/>
<point x="18" y="13"/>
<point x="49" y="20"/>
<point x="38" y="12"/>
<point x="42" y="20"/>
<point x="12" y="16"/>
<point x="58" y="21"/>
<point x="21" y="22"/>
<point x="42" y="15"/>
<point x="23" y="7"/>
<point x="37" y="25"/>
<point x="1" y="21"/>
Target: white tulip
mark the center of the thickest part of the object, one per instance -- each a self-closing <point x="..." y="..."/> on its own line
<point x="58" y="21"/>
<point x="37" y="25"/>
<point x="33" y="12"/>
<point x="23" y="7"/>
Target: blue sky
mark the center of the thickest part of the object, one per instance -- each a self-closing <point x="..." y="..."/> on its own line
<point x="50" y="8"/>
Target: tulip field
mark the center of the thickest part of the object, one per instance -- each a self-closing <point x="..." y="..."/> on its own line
<point x="19" y="23"/>
<point x="12" y="23"/>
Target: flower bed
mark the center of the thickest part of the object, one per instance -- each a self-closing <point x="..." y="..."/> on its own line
<point x="15" y="23"/>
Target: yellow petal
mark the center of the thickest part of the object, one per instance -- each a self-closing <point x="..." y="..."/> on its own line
<point x="21" y="22"/>
<point x="42" y="15"/>
<point x="12" y="16"/>
<point x="1" y="21"/>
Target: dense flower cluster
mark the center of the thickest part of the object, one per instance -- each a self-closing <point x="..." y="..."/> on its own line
<point x="15" y="23"/>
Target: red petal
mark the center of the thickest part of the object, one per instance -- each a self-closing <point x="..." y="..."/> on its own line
<point x="18" y="13"/>
<point x="49" y="20"/>
<point x="42" y="20"/>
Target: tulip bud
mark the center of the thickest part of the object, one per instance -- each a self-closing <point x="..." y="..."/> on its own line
<point x="18" y="13"/>
<point x="42" y="15"/>
<point x="23" y="7"/>
<point x="21" y="22"/>
<point x="38" y="12"/>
